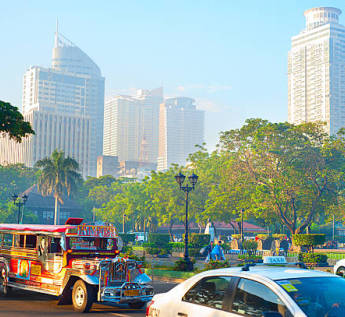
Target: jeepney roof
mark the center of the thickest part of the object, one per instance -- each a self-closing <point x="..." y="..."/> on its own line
<point x="35" y="228"/>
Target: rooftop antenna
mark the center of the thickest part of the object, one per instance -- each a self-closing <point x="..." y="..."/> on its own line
<point x="57" y="33"/>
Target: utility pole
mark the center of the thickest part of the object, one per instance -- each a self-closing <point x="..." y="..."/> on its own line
<point x="333" y="236"/>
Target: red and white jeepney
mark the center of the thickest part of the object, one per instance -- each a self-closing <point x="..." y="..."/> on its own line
<point x="80" y="263"/>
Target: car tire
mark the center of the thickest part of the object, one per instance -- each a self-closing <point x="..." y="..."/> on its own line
<point x="341" y="271"/>
<point x="83" y="296"/>
<point x="136" y="305"/>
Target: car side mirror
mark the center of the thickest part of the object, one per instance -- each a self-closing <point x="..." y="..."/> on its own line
<point x="271" y="314"/>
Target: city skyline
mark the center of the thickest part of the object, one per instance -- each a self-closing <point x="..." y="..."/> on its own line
<point x="211" y="59"/>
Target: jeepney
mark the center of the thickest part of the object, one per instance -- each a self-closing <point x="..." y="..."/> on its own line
<point x="77" y="262"/>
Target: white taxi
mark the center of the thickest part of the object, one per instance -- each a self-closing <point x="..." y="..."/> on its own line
<point x="261" y="290"/>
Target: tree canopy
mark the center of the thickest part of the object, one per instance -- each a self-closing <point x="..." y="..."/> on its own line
<point x="12" y="122"/>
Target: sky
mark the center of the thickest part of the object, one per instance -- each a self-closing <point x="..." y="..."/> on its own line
<point x="229" y="55"/>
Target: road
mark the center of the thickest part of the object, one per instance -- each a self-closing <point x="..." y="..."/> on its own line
<point x="22" y="303"/>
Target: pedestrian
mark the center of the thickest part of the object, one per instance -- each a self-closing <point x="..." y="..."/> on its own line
<point x="208" y="251"/>
<point x="217" y="252"/>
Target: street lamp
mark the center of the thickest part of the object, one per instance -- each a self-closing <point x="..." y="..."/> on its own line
<point x="19" y="201"/>
<point x="187" y="189"/>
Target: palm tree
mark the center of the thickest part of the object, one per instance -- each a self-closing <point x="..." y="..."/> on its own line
<point x="59" y="176"/>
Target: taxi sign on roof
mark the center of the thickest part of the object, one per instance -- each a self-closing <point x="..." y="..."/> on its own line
<point x="274" y="260"/>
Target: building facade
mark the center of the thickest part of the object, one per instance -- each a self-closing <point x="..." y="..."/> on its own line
<point x="108" y="165"/>
<point x="65" y="105"/>
<point x="181" y="128"/>
<point x="316" y="71"/>
<point x="131" y="126"/>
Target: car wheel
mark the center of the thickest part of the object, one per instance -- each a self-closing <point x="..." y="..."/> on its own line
<point x="136" y="305"/>
<point x="83" y="296"/>
<point x="341" y="271"/>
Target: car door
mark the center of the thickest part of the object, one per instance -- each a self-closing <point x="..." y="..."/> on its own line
<point x="208" y="297"/>
<point x="252" y="298"/>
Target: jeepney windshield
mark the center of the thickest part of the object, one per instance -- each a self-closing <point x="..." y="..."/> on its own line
<point x="91" y="243"/>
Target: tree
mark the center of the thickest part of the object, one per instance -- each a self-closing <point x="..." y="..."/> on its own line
<point x="294" y="171"/>
<point x="12" y="122"/>
<point x="59" y="177"/>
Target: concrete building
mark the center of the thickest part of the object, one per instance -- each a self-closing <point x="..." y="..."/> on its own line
<point x="108" y="165"/>
<point x="181" y="127"/>
<point x="131" y="126"/>
<point x="316" y="71"/>
<point x="65" y="105"/>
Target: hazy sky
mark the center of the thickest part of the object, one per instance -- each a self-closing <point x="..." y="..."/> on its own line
<point x="230" y="55"/>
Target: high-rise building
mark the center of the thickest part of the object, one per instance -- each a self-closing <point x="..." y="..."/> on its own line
<point x="181" y="128"/>
<point x="107" y="165"/>
<point x="131" y="126"/>
<point x="316" y="71"/>
<point x="65" y="105"/>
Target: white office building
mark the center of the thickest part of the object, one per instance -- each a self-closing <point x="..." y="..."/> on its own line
<point x="316" y="71"/>
<point x="131" y="126"/>
<point x="181" y="128"/>
<point x="65" y="105"/>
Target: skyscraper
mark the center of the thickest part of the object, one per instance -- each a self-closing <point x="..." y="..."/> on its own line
<point x="131" y="126"/>
<point x="316" y="71"/>
<point x="65" y="106"/>
<point x="181" y="127"/>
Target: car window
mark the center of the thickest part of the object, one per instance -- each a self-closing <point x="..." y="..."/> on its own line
<point x="253" y="299"/>
<point x="209" y="291"/>
<point x="8" y="238"/>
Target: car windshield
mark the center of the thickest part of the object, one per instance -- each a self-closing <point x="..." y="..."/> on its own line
<point x="91" y="243"/>
<point x="317" y="296"/>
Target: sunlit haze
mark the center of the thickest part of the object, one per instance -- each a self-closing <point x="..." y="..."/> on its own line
<point x="231" y="56"/>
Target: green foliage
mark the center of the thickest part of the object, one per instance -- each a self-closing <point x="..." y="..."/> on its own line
<point x="199" y="240"/>
<point x="159" y="239"/>
<point x="181" y="265"/>
<point x="250" y="245"/>
<point x="262" y="236"/>
<point x="308" y="240"/>
<point x="278" y="236"/>
<point x="12" y="122"/>
<point x="59" y="177"/>
<point x="127" y="238"/>
<point x="158" y="244"/>
<point x="212" y="265"/>
<point x="312" y="257"/>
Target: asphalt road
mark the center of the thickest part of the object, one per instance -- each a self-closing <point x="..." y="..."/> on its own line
<point x="22" y="303"/>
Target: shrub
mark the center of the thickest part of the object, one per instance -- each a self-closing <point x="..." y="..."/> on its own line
<point x="212" y="265"/>
<point x="159" y="239"/>
<point x="236" y="236"/>
<point x="308" y="240"/>
<point x="181" y="265"/>
<point x="250" y="246"/>
<point x="158" y="244"/>
<point x="279" y="236"/>
<point x="127" y="238"/>
<point x="199" y="240"/>
<point x="262" y="236"/>
<point x="312" y="257"/>
<point x="194" y="252"/>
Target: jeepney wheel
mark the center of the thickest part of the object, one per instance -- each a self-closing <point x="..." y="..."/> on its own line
<point x="82" y="296"/>
<point x="4" y="288"/>
<point x="136" y="305"/>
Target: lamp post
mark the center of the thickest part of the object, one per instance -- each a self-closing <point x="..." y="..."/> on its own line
<point x="187" y="189"/>
<point x="19" y="201"/>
